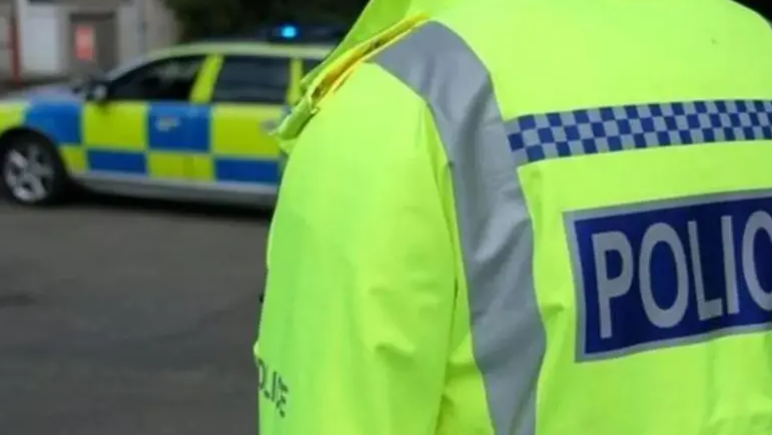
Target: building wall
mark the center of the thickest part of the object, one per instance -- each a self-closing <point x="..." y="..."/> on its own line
<point x="46" y="40"/>
<point x="129" y="39"/>
<point x="6" y="13"/>
<point x="160" y="26"/>
<point x="40" y="32"/>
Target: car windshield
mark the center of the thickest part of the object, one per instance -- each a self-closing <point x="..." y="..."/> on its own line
<point x="78" y="84"/>
<point x="124" y="67"/>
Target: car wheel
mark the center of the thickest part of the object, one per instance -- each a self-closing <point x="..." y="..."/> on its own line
<point x="32" y="171"/>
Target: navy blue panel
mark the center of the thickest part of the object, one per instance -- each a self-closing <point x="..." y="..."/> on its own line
<point x="672" y="273"/>
<point x="604" y="129"/>
<point x="59" y="120"/>
<point x="199" y="128"/>
<point x="117" y="161"/>
<point x="247" y="171"/>
<point x="178" y="127"/>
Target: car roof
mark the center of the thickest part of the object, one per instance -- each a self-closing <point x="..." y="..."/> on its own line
<point x="248" y="48"/>
<point x="310" y="51"/>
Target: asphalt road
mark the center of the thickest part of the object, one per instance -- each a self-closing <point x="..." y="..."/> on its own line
<point x="126" y="319"/>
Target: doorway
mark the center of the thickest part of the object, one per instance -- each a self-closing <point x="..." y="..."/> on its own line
<point x="93" y="42"/>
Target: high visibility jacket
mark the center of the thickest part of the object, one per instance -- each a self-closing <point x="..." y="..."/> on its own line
<point x="528" y="218"/>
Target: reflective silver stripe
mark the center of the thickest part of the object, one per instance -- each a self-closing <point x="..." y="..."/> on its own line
<point x="494" y="225"/>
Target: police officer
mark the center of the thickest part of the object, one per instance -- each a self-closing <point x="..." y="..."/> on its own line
<point x="527" y="218"/>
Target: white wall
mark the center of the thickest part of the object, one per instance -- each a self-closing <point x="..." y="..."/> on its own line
<point x="128" y="32"/>
<point x="41" y="45"/>
<point x="142" y="25"/>
<point x="5" y="41"/>
<point x="160" y="25"/>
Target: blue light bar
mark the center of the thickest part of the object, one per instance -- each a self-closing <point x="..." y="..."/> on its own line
<point x="289" y="32"/>
<point x="286" y="33"/>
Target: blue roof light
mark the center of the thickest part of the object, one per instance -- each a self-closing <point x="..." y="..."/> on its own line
<point x="286" y="34"/>
<point x="289" y="32"/>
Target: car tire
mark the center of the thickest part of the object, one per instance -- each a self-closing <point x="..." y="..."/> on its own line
<point x="31" y="171"/>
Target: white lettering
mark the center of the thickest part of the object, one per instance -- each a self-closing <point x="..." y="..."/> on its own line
<point x="759" y="221"/>
<point x="707" y="309"/>
<point x="730" y="266"/>
<point x="687" y="254"/>
<point x="671" y="316"/>
<point x="611" y="287"/>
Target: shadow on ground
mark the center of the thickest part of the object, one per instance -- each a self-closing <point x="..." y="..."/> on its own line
<point x="93" y="201"/>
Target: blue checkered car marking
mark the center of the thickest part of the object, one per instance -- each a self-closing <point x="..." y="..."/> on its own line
<point x="534" y="138"/>
<point x="246" y="171"/>
<point x="124" y="162"/>
<point x="59" y="120"/>
<point x="62" y="122"/>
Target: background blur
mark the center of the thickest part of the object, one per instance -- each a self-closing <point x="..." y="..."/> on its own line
<point x="121" y="316"/>
<point x="127" y="317"/>
<point x="38" y="38"/>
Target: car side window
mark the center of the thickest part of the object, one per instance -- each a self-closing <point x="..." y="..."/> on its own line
<point x="252" y="79"/>
<point x="163" y="80"/>
<point x="310" y="64"/>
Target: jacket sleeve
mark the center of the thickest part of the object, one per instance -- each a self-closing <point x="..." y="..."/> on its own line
<point x="361" y="279"/>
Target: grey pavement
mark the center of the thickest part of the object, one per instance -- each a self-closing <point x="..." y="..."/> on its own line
<point x="126" y="319"/>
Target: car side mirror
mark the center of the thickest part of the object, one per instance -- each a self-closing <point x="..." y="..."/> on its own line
<point x="96" y="91"/>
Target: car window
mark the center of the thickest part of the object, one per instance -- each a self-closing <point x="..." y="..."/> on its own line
<point x="252" y="79"/>
<point x="310" y="64"/>
<point x="163" y="80"/>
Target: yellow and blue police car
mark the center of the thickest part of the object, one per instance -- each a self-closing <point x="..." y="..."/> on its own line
<point x="190" y="122"/>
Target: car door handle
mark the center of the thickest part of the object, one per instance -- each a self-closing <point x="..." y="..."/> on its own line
<point x="167" y="123"/>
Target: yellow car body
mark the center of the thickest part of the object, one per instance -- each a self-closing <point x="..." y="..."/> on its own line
<point x="190" y="122"/>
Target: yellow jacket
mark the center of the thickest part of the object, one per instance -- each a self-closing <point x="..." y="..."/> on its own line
<point x="527" y="218"/>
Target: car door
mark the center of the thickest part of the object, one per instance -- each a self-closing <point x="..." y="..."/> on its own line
<point x="247" y="96"/>
<point x="146" y="127"/>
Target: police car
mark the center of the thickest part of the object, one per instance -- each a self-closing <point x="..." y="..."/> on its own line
<point x="191" y="122"/>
